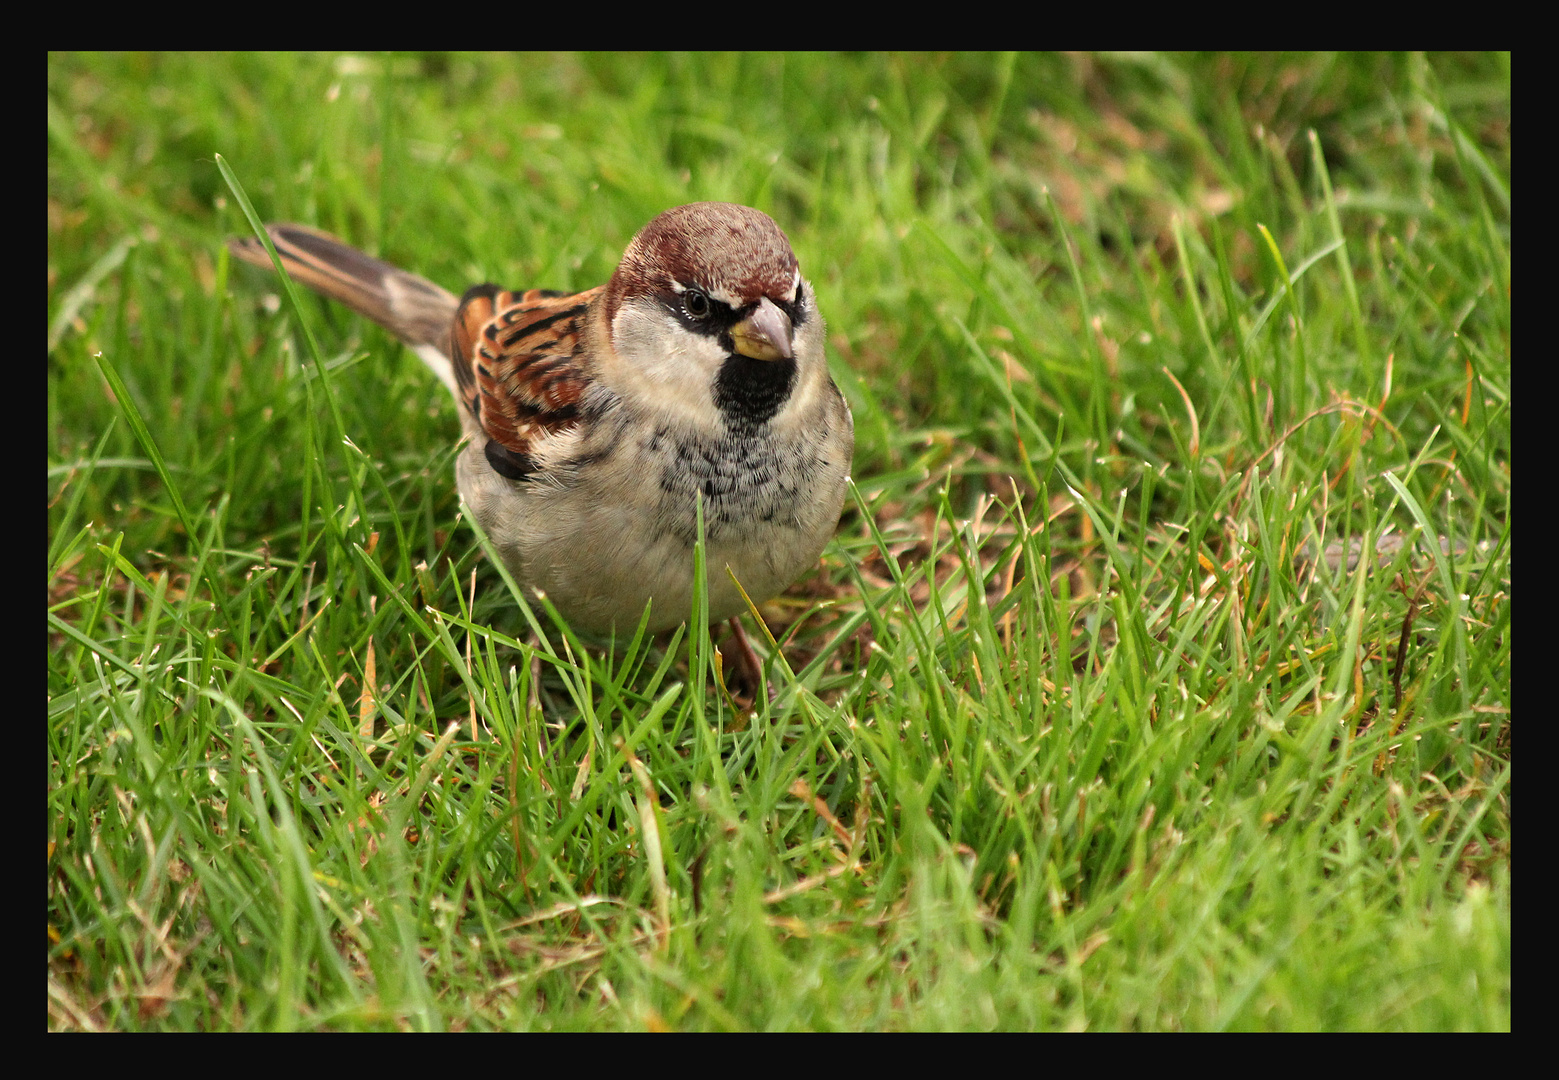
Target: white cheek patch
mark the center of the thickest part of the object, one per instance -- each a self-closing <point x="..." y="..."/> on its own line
<point x="662" y="365"/>
<point x="647" y="339"/>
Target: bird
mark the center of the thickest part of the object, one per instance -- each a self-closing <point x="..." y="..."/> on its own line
<point x="596" y="422"/>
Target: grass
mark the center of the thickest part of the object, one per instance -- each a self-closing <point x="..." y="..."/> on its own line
<point x="1067" y="730"/>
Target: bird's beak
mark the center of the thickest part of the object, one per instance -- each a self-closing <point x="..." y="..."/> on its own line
<point x="765" y="334"/>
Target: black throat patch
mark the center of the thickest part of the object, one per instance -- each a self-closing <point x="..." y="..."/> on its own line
<point x="749" y="392"/>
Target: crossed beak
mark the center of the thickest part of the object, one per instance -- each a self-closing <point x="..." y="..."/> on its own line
<point x="765" y="334"/>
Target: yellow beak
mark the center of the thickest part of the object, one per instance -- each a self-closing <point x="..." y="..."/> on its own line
<point x="765" y="334"/>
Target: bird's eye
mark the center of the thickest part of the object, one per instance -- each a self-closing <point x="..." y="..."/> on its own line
<point x="696" y="303"/>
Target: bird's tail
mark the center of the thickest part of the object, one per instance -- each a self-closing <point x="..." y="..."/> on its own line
<point x="410" y="307"/>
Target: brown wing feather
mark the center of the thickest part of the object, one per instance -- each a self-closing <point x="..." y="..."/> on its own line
<point x="519" y="359"/>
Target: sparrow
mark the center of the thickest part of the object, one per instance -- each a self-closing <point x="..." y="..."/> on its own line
<point x="595" y="422"/>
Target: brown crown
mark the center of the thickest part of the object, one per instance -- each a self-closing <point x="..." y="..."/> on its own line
<point x="721" y="247"/>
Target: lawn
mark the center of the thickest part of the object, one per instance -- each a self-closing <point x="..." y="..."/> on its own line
<point x="1092" y="716"/>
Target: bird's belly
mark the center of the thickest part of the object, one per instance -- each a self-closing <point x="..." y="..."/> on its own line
<point x="604" y="548"/>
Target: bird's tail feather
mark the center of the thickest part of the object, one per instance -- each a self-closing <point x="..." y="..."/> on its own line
<point x="410" y="307"/>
